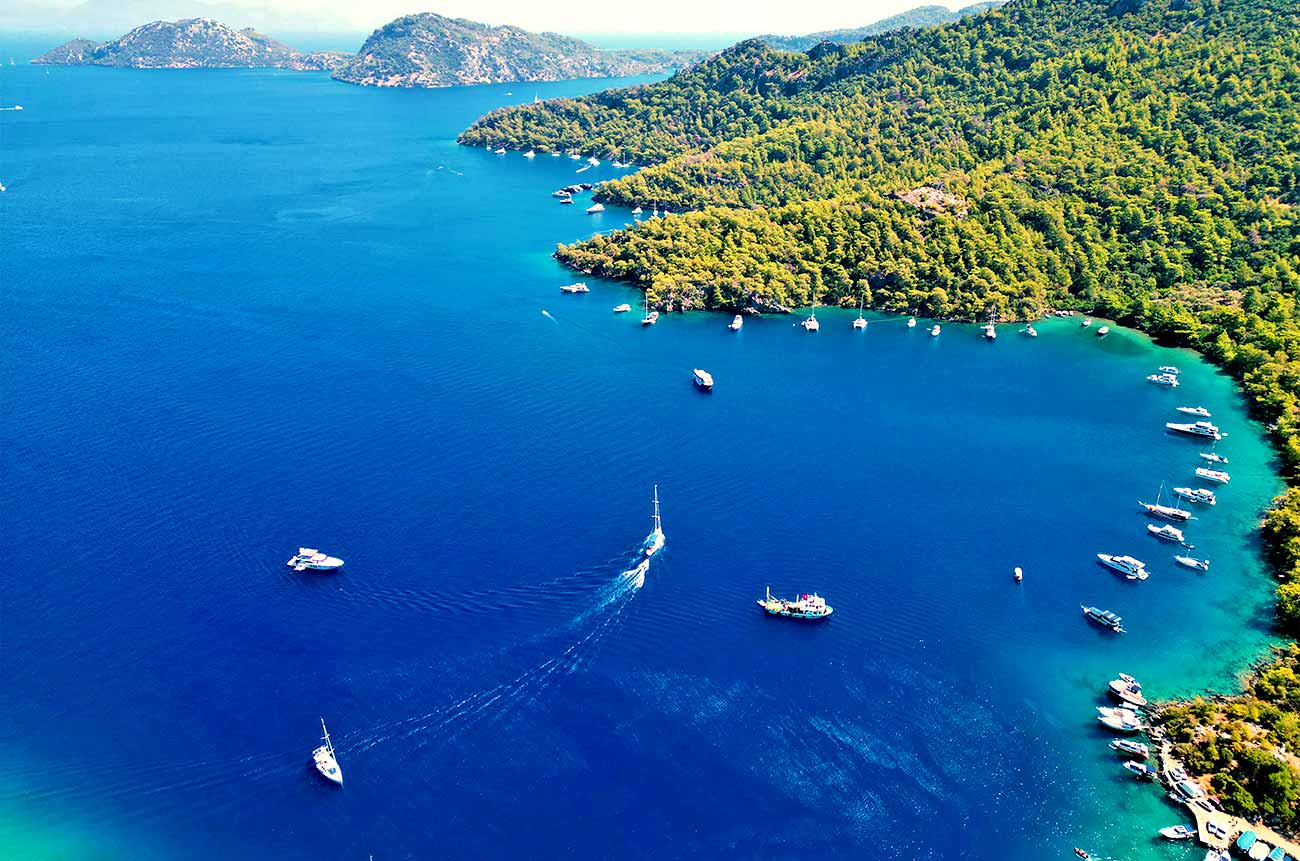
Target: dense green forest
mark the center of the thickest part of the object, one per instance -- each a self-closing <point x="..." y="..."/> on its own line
<point x="1140" y="160"/>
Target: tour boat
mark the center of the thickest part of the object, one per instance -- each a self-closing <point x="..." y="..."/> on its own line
<point x="804" y="607"/>
<point x="580" y="287"/>
<point x="530" y="154"/>
<point x="1202" y="412"/>
<point x="1197" y="494"/>
<point x="499" y="151"/>
<point x="326" y="763"/>
<point x="1087" y="321"/>
<point x="1128" y="691"/>
<point x="1215" y="475"/>
<point x="1132" y="748"/>
<point x="636" y="211"/>
<point x="1168" y="380"/>
<point x="622" y="309"/>
<point x="1178" y="832"/>
<point x="651" y="317"/>
<point x="991" y="332"/>
<point x="1201" y="428"/>
<point x="736" y="322"/>
<point x="1133" y="569"/>
<point x="654" y="542"/>
<point x="934" y="331"/>
<point x="911" y="322"/>
<point x="703" y="379"/>
<point x="1168" y="369"/>
<point x="1105" y="618"/>
<point x="595" y="207"/>
<point x="1142" y="770"/>
<point x="1189" y="562"/>
<point x="1104" y="330"/>
<point x="1213" y="457"/>
<point x="861" y="322"/>
<point x="1168" y="532"/>
<point x="309" y="558"/>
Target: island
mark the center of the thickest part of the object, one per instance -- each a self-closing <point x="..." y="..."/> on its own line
<point x="1135" y="160"/>
<point x="429" y="50"/>
<point x="195" y="43"/>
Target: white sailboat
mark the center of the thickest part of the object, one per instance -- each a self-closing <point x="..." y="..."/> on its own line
<point x="651" y="317"/>
<point x="654" y="542"/>
<point x="326" y="763"/>
<point x="811" y="324"/>
<point x="861" y="322"/>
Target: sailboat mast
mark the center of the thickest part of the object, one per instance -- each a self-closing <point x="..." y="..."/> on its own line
<point x="657" y="525"/>
<point x="328" y="744"/>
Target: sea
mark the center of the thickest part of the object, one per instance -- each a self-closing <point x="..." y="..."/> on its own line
<point x="244" y="311"/>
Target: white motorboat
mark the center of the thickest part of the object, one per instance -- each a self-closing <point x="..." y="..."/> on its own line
<point x="593" y="161"/>
<point x="622" y="309"/>
<point x="736" y="322"/>
<point x="1131" y="748"/>
<point x="654" y="542"/>
<point x="1120" y="723"/>
<point x="636" y="211"/>
<point x="934" y="331"/>
<point x="1216" y="475"/>
<point x="1167" y="380"/>
<point x="703" y="379"/>
<point x="1104" y="330"/>
<point x="1168" y="369"/>
<point x="530" y="154"/>
<point x="1200" y="412"/>
<point x="1178" y="832"/>
<point x="326" y="762"/>
<point x="573" y="156"/>
<point x="1132" y="569"/>
<point x="1196" y="564"/>
<point x="580" y="287"/>
<point x="1167" y="532"/>
<point x="1201" y="495"/>
<point x="1030" y="330"/>
<point x="499" y="151"/>
<point x="311" y="559"/>
<point x="1087" y="321"/>
<point x="1213" y="457"/>
<point x="595" y="207"/>
<point x="911" y="322"/>
<point x="1201" y="429"/>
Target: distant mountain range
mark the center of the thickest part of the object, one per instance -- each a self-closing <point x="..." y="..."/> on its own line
<point x="190" y="44"/>
<point x="429" y="50"/>
<point x="921" y="16"/>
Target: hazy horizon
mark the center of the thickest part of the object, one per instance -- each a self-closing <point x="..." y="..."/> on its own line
<point x="600" y="23"/>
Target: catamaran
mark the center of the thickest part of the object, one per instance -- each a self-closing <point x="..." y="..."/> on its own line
<point x="811" y="323"/>
<point x="1201" y="428"/>
<point x="654" y="542"/>
<point x="326" y="762"/>
<point x="806" y="606"/>
<point x="991" y="332"/>
<point x="1197" y="494"/>
<point x="1215" y="475"/>
<point x="309" y="558"/>
<point x="1167" y="512"/>
<point x="1132" y="569"/>
<point x="861" y="322"/>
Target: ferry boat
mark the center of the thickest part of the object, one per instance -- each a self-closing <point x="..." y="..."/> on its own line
<point x="1103" y="331"/>
<point x="651" y="317"/>
<point x="595" y="207"/>
<point x="1142" y="770"/>
<point x="580" y="287"/>
<point x="703" y="379"/>
<point x="1216" y="475"/>
<point x="1213" y="457"/>
<point x="1133" y="569"/>
<point x="1105" y="618"/>
<point x="1168" y="512"/>
<point x="622" y="309"/>
<point x="1202" y="412"/>
<point x="1201" y="428"/>
<point x="1132" y="748"/>
<point x="991" y="332"/>
<point x="1167" y="380"/>
<point x="736" y="322"/>
<point x="805" y="607"/>
<point x="1178" y="832"/>
<point x="934" y="331"/>
<point x="654" y="542"/>
<point x="1197" y="494"/>
<point x="326" y="762"/>
<point x="1127" y="690"/>
<point x="1190" y="562"/>
<point x="1167" y="532"/>
<point x="311" y="559"/>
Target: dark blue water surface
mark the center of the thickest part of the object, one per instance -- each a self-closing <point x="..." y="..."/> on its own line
<point x="248" y="310"/>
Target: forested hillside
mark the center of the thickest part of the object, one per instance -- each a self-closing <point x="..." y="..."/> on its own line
<point x="921" y="16"/>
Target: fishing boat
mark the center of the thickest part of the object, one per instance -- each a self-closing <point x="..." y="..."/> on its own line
<point x="1142" y="770"/>
<point x="622" y="309"/>
<point x="1168" y="369"/>
<point x="804" y="607"/>
<point x="1167" y="512"/>
<point x="703" y="379"/>
<point x="911" y="322"/>
<point x="311" y="559"/>
<point x="934" y="331"/>
<point x="1105" y="618"/>
<point x="1216" y="475"/>
<point x="651" y="317"/>
<point x="580" y="287"/>
<point x="1213" y="457"/>
<point x="595" y="207"/>
<point x="530" y="154"/>
<point x="991" y="332"/>
<point x="736" y="322"/>
<point x="1133" y="569"/>
<point x="1167" y="532"/>
<point x="1202" y="412"/>
<point x="1132" y="748"/>
<point x="326" y="762"/>
<point x="1178" y="832"/>
<point x="1200" y="495"/>
<point x="1103" y="331"/>
<point x="1201" y="429"/>
<point x="1127" y="690"/>
<point x="1167" y="380"/>
<point x="1190" y="562"/>
<point x="861" y="322"/>
<point x="654" y="542"/>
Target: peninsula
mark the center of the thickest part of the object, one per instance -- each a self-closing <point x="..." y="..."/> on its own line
<point x="195" y="43"/>
<point x="429" y="50"/>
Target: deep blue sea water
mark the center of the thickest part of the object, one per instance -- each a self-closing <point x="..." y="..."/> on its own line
<point x="247" y="310"/>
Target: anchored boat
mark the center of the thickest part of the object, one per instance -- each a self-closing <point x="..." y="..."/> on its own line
<point x="1127" y="690"/>
<point x="1201" y="429"/>
<point x="1215" y="475"/>
<point x="1132" y="748"/>
<point x="622" y="309"/>
<point x="311" y="559"/>
<point x="651" y="317"/>
<point x="1197" y="494"/>
<point x="1105" y="618"/>
<point x="1168" y="512"/>
<point x="703" y="379"/>
<point x="934" y="331"/>
<point x="804" y="607"/>
<point x="1142" y="770"/>
<point x="736" y="322"/>
<point x="1166" y="532"/>
<point x="580" y="287"/>
<point x="1199" y="412"/>
<point x="326" y="762"/>
<point x="1133" y="569"/>
<point x="1167" y="380"/>
<point x="861" y="322"/>
<point x="1190" y="562"/>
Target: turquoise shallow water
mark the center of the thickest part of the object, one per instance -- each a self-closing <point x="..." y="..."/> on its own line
<point x="248" y="310"/>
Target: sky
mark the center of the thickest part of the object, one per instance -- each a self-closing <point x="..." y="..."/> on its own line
<point x="97" y="18"/>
